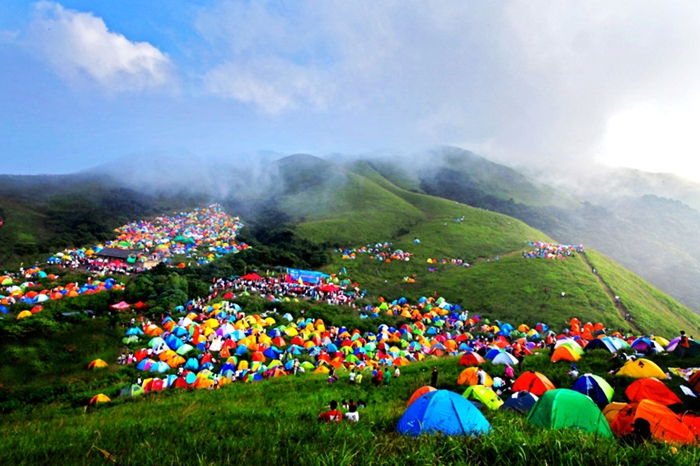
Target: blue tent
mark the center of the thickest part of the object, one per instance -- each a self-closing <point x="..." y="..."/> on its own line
<point x="520" y="401"/>
<point x="4" y="310"/>
<point x="173" y="342"/>
<point x="595" y="387"/>
<point x="442" y="411"/>
<point x="600" y="343"/>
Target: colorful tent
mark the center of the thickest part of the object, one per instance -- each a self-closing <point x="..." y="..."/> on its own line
<point x="563" y="408"/>
<point x="665" y="425"/>
<point x="651" y="389"/>
<point x="420" y="392"/>
<point x="641" y="368"/>
<point x="132" y="390"/>
<point x="565" y="353"/>
<point x="100" y="398"/>
<point x="595" y="387"/>
<point x="520" y="401"/>
<point x="97" y="364"/>
<point x="611" y="410"/>
<point x="471" y="358"/>
<point x="533" y="382"/>
<point x="469" y="377"/>
<point x="443" y="412"/>
<point x="484" y="395"/>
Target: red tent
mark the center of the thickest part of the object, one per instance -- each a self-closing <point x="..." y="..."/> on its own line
<point x="533" y="382"/>
<point x="651" y="389"/>
<point x="471" y="358"/>
<point x="140" y="305"/>
<point x="251" y="276"/>
<point x="329" y="288"/>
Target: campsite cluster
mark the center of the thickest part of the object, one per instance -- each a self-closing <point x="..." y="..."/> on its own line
<point x="197" y="237"/>
<point x="33" y="294"/>
<point x="380" y="251"/>
<point x="212" y="341"/>
<point x="211" y="344"/>
<point x="551" y="250"/>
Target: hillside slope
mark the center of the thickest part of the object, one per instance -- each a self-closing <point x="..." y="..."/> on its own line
<point x="356" y="206"/>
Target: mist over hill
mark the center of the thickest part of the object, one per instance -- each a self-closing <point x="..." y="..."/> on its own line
<point x="647" y="222"/>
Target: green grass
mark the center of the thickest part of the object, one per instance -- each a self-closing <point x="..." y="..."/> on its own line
<point x="276" y="421"/>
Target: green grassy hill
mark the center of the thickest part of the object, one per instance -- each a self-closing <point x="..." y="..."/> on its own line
<point x="44" y="214"/>
<point x="358" y="206"/>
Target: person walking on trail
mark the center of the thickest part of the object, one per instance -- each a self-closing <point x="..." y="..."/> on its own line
<point x="434" y="377"/>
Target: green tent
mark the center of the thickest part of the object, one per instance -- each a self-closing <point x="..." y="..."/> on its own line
<point x="483" y="394"/>
<point x="184" y="349"/>
<point x="563" y="408"/>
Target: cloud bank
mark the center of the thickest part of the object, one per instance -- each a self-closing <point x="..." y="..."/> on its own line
<point x="520" y="80"/>
<point x="79" y="46"/>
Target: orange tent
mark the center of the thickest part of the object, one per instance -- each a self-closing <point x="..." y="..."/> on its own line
<point x="420" y="392"/>
<point x="469" y="377"/>
<point x="564" y="353"/>
<point x="533" y="382"/>
<point x="611" y="410"/>
<point x="665" y="425"/>
<point x="651" y="389"/>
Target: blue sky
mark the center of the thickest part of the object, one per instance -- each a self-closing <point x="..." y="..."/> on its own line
<point x="83" y="83"/>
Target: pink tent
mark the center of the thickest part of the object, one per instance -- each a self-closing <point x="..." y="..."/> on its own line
<point x="121" y="306"/>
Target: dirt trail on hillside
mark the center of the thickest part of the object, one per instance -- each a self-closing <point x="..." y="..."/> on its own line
<point x="621" y="308"/>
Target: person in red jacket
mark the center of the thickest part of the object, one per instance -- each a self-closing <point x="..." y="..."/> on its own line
<point x="333" y="415"/>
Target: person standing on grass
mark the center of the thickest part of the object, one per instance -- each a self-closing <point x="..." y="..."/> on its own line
<point x="521" y="361"/>
<point x="434" y="377"/>
<point x="480" y="376"/>
<point x="387" y="376"/>
<point x="684" y="344"/>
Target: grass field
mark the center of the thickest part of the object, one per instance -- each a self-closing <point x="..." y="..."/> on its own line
<point x="276" y="421"/>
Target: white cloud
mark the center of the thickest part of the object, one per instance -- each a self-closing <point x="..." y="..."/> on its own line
<point x="79" y="46"/>
<point x="530" y="81"/>
<point x="272" y="84"/>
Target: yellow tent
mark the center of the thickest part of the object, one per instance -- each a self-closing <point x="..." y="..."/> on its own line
<point x="611" y="410"/>
<point x="483" y="394"/>
<point x="99" y="399"/>
<point x="24" y="314"/>
<point x="97" y="364"/>
<point x="641" y="368"/>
